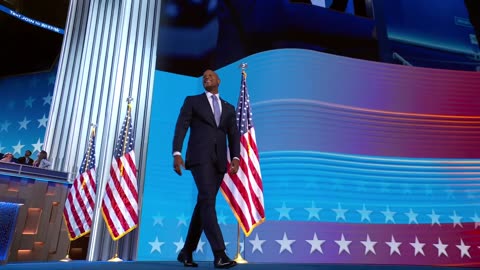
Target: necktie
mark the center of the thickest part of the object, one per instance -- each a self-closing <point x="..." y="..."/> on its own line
<point x="216" y="109"/>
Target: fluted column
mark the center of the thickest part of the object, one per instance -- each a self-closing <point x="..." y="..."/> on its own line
<point x="108" y="54"/>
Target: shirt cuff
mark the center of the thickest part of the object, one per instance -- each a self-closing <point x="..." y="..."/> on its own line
<point x="236" y="158"/>
<point x="176" y="153"/>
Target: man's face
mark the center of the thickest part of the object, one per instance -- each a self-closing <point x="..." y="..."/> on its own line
<point x="210" y="80"/>
<point x="28" y="153"/>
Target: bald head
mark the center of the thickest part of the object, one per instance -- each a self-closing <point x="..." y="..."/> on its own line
<point x="211" y="81"/>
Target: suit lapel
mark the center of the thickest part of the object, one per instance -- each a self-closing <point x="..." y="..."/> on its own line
<point x="224" y="111"/>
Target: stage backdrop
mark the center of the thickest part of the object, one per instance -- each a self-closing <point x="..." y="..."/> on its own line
<point x="26" y="103"/>
<point x="362" y="162"/>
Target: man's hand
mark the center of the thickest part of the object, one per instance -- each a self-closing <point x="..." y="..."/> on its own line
<point x="234" y="166"/>
<point x="178" y="164"/>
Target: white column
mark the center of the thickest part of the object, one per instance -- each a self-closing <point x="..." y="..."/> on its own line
<point x="108" y="54"/>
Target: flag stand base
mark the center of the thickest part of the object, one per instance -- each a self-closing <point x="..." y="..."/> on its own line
<point x="239" y="259"/>
<point x="115" y="259"/>
<point x="66" y="259"/>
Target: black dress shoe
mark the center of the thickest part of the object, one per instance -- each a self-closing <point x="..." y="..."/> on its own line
<point x="224" y="262"/>
<point x="186" y="259"/>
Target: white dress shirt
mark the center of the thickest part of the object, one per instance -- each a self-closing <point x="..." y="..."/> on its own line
<point x="210" y="101"/>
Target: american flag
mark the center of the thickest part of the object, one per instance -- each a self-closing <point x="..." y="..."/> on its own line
<point x="120" y="202"/>
<point x="244" y="190"/>
<point x="79" y="206"/>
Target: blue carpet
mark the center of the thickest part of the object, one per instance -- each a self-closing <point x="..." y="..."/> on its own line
<point x="205" y="265"/>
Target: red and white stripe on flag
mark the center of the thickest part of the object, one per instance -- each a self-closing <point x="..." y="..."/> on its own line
<point x="244" y="190"/>
<point x="80" y="203"/>
<point x="120" y="202"/>
<point x="79" y="206"/>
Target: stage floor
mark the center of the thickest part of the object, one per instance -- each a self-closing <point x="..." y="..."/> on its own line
<point x="206" y="265"/>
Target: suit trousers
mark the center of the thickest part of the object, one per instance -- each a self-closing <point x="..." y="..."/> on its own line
<point x="204" y="218"/>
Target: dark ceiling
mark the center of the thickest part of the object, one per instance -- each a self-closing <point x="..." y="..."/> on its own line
<point x="25" y="48"/>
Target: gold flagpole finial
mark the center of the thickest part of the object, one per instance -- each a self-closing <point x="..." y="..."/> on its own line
<point x="243" y="66"/>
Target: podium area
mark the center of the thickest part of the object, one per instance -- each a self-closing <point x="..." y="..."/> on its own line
<point x="32" y="228"/>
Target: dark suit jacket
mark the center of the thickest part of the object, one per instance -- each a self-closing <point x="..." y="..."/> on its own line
<point x="21" y="160"/>
<point x="207" y="142"/>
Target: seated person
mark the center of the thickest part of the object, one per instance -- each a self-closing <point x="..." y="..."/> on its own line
<point x="26" y="158"/>
<point x="8" y="157"/>
<point x="42" y="160"/>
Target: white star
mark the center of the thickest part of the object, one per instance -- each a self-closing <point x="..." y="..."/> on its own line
<point x="242" y="246"/>
<point x="369" y="245"/>
<point x="365" y="214"/>
<point x="412" y="217"/>
<point x="29" y="102"/>
<point x="156" y="245"/>
<point x="24" y="123"/>
<point x="200" y="246"/>
<point x="418" y="246"/>
<point x="1" y="148"/>
<point x="475" y="219"/>
<point x="284" y="211"/>
<point x="37" y="147"/>
<point x="257" y="244"/>
<point x="394" y="246"/>
<point x="179" y="245"/>
<point x="442" y="248"/>
<point x="182" y="220"/>
<point x="463" y="249"/>
<point x="222" y="219"/>
<point x="285" y="244"/>
<point x="18" y="148"/>
<point x="158" y="220"/>
<point x="456" y="219"/>
<point x="5" y="126"/>
<point x="42" y="121"/>
<point x="388" y="215"/>
<point x="316" y="244"/>
<point x="340" y="212"/>
<point x="47" y="99"/>
<point x="343" y="245"/>
<point x="435" y="218"/>
<point x="313" y="211"/>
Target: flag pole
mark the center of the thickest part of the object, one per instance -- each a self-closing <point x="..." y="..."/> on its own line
<point x="67" y="257"/>
<point x="115" y="258"/>
<point x="92" y="132"/>
<point x="238" y="258"/>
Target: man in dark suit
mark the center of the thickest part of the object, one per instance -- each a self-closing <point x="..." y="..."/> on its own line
<point x="26" y="159"/>
<point x="211" y="121"/>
